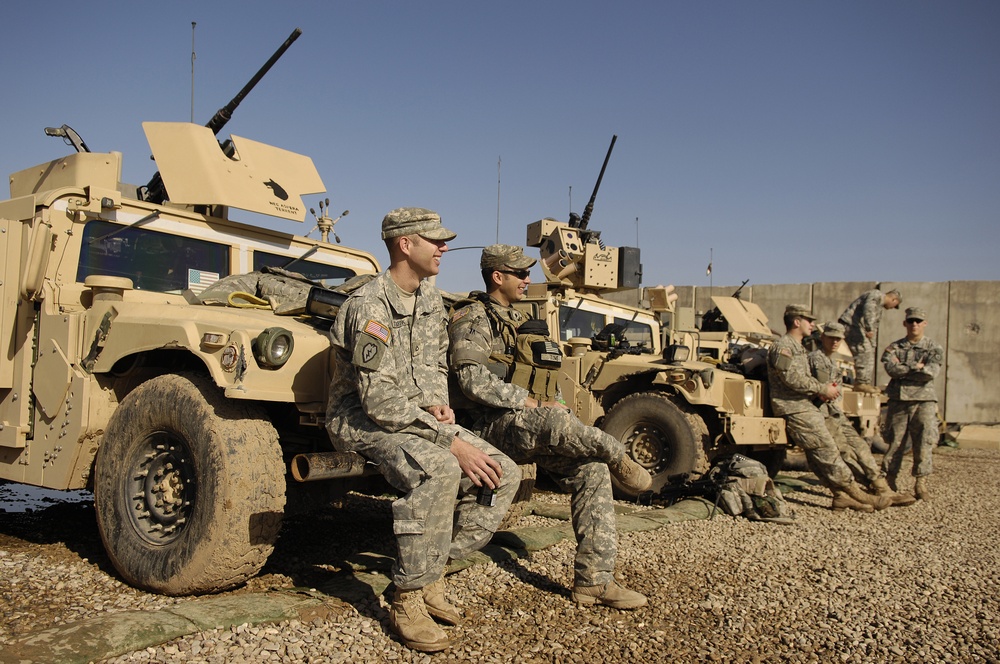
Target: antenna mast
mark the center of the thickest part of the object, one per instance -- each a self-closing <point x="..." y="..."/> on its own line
<point x="192" y="70"/>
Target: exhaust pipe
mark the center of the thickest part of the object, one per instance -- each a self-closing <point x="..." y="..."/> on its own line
<point x="329" y="466"/>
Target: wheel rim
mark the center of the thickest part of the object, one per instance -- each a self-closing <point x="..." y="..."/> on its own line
<point x="161" y="488"/>
<point x="647" y="445"/>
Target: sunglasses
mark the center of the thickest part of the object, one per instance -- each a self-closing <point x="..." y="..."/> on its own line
<point x="520" y="274"/>
<point x="911" y="321"/>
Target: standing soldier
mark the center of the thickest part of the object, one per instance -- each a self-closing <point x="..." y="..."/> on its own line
<point x="793" y="391"/>
<point x="505" y="368"/>
<point x="860" y="320"/>
<point x="912" y="363"/>
<point x="389" y="403"/>
<point x="854" y="450"/>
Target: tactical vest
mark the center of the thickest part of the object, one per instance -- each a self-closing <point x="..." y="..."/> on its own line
<point x="527" y="356"/>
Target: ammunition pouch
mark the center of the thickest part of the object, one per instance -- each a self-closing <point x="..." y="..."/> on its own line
<point x="537" y="360"/>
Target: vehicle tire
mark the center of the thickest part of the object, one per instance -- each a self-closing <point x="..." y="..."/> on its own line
<point x="658" y="435"/>
<point x="189" y="488"/>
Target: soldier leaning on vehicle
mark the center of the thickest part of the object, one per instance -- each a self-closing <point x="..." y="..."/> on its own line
<point x="505" y="368"/>
<point x="854" y="450"/>
<point x="793" y="389"/>
<point x="389" y="403"/>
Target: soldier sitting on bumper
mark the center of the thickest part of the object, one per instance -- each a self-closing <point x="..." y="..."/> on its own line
<point x="505" y="374"/>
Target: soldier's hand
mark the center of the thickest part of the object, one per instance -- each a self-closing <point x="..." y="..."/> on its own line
<point x="442" y="413"/>
<point x="555" y="404"/>
<point x="479" y="466"/>
<point x="830" y="393"/>
<point x="870" y="334"/>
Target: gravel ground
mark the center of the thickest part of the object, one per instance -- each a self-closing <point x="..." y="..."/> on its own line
<point x="914" y="584"/>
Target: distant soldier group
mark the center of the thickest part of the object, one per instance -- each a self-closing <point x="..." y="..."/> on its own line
<point x="447" y="403"/>
<point x="806" y="389"/>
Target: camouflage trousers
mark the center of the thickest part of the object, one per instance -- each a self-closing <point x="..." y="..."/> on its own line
<point x="807" y="429"/>
<point x="576" y="456"/>
<point x="854" y="450"/>
<point x="863" y="350"/>
<point x="430" y="526"/>
<point x="919" y="420"/>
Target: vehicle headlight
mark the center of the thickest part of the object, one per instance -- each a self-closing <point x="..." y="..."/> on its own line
<point x="748" y="394"/>
<point x="273" y="347"/>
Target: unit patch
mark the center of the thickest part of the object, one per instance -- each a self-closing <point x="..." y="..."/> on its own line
<point x="371" y="345"/>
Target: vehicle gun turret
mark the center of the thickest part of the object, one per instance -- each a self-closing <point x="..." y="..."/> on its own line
<point x="573" y="255"/>
<point x="154" y="191"/>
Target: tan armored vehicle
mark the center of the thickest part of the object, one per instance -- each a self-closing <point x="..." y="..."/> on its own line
<point x="676" y="396"/>
<point x="180" y="417"/>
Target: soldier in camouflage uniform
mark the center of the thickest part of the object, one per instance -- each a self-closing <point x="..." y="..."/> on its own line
<point x="912" y="363"/>
<point x="389" y="403"/>
<point x="860" y="320"/>
<point x="854" y="450"/>
<point x="492" y="378"/>
<point x="793" y="390"/>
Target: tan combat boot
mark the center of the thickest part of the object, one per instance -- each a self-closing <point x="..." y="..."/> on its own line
<point x="438" y="605"/>
<point x="611" y="594"/>
<point x="409" y="619"/>
<point x="842" y="501"/>
<point x="921" y="490"/>
<point x="879" y="502"/>
<point x="898" y="499"/>
<point x="632" y="477"/>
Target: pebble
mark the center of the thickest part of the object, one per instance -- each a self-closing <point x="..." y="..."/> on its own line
<point x="914" y="584"/>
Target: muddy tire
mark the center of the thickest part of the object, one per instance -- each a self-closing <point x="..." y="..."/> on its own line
<point x="658" y="435"/>
<point x="189" y="487"/>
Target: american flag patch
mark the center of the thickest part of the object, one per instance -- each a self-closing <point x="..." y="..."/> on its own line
<point x="377" y="330"/>
<point x="199" y="280"/>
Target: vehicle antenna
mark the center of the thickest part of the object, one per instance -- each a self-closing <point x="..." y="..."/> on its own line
<point x="192" y="70"/>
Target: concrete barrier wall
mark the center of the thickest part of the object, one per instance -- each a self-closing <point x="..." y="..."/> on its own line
<point x="972" y="351"/>
<point x="963" y="316"/>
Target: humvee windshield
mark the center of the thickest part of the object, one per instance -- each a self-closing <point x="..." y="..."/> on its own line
<point x="153" y="260"/>
<point x="328" y="275"/>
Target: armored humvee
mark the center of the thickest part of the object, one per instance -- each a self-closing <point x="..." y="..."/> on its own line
<point x="181" y="418"/>
<point x="676" y="396"/>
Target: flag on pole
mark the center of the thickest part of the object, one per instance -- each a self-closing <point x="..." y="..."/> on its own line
<point x="708" y="270"/>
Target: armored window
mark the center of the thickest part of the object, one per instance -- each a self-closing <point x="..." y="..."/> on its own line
<point x="638" y="334"/>
<point x="153" y="260"/>
<point x="326" y="274"/>
<point x="575" y="322"/>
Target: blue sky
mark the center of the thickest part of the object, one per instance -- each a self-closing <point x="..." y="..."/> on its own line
<point x="792" y="141"/>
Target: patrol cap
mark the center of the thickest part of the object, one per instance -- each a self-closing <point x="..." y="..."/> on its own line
<point x="833" y="329"/>
<point x="800" y="310"/>
<point x="916" y="313"/>
<point x="499" y="256"/>
<point x="415" y="221"/>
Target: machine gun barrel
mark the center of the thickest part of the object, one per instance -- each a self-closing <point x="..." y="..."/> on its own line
<point x="224" y="114"/>
<point x="587" y="211"/>
<point x="154" y="190"/>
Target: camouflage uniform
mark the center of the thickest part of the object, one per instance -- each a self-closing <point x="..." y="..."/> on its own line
<point x="860" y="317"/>
<point x="553" y="438"/>
<point x="390" y="365"/>
<point x="912" y="407"/>
<point x="854" y="450"/>
<point x="792" y="390"/>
